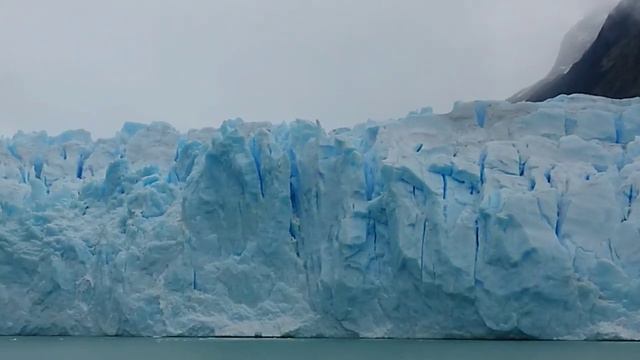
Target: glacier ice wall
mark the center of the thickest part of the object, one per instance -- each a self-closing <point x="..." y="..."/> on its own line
<point x="496" y="220"/>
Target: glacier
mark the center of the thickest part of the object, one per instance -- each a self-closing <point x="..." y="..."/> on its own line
<point x="495" y="220"/>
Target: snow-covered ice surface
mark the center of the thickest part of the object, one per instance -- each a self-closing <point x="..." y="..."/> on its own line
<point x="496" y="220"/>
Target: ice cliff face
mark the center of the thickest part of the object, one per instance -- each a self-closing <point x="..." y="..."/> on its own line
<point x="496" y="220"/>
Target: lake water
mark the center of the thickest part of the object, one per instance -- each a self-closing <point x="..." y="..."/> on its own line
<point x="52" y="348"/>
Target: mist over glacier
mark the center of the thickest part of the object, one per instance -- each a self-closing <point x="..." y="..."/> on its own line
<point x="496" y="220"/>
<point x="72" y="64"/>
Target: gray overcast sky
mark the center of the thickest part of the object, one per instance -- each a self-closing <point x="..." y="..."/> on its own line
<point x="94" y="64"/>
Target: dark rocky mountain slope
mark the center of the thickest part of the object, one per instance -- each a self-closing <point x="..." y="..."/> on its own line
<point x="610" y="67"/>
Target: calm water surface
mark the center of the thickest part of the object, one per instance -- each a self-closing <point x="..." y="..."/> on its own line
<point x="38" y="348"/>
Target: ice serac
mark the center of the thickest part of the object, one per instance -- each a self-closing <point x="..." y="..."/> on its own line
<point x="496" y="220"/>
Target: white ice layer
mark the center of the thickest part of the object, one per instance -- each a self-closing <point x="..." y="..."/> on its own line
<point x="496" y="220"/>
